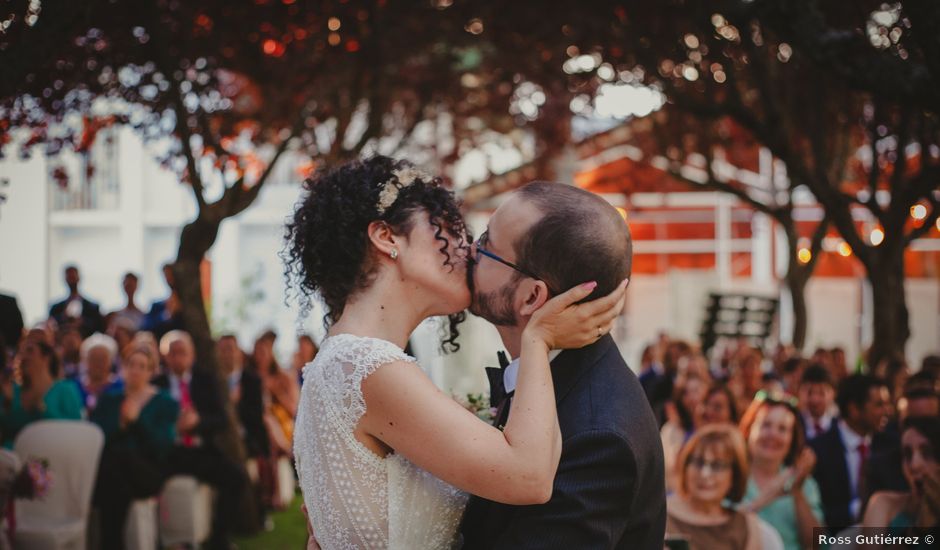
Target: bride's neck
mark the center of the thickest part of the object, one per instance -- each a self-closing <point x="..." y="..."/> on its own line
<point x="388" y="309"/>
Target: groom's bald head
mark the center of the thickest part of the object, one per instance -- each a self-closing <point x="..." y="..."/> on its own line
<point x="578" y="237"/>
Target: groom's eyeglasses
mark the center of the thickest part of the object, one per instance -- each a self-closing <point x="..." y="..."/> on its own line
<point x="481" y="249"/>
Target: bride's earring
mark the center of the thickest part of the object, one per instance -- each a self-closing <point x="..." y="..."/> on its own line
<point x="393" y="254"/>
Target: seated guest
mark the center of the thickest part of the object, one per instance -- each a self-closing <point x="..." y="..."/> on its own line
<point x="98" y="354"/>
<point x="139" y="424"/>
<point x="70" y="353"/>
<point x="202" y="417"/>
<point x="838" y="364"/>
<point x="747" y="375"/>
<point x="780" y="488"/>
<point x="894" y="372"/>
<point x="920" y="397"/>
<point x="711" y="475"/>
<point x="920" y="505"/>
<point x="306" y="352"/>
<point x="650" y="368"/>
<point x="149" y="341"/>
<point x="41" y="396"/>
<point x="884" y="471"/>
<point x="123" y="332"/>
<point x="771" y="383"/>
<point x="244" y="389"/>
<point x="791" y="372"/>
<point x="718" y="407"/>
<point x="817" y="400"/>
<point x="281" y="391"/>
<point x="864" y="403"/>
<point x="687" y="396"/>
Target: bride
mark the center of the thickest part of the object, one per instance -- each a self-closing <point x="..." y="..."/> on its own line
<point x="384" y="458"/>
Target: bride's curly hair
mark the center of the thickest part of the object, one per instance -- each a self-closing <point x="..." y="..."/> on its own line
<point x="326" y="248"/>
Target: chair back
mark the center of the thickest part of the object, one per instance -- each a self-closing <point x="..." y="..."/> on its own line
<point x="72" y="448"/>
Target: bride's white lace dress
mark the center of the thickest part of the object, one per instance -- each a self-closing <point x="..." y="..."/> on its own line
<point x="356" y="499"/>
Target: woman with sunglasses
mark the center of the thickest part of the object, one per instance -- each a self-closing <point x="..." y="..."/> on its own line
<point x="781" y="489"/>
<point x="385" y="458"/>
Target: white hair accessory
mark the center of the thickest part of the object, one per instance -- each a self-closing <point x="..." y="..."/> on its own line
<point x="401" y="178"/>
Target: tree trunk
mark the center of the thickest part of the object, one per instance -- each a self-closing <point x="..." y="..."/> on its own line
<point x="890" y="315"/>
<point x="196" y="239"/>
<point x="796" y="279"/>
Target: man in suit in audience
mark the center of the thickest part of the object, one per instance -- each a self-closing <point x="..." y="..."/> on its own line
<point x="76" y="310"/>
<point x="244" y="388"/>
<point x="202" y="417"/>
<point x="842" y="452"/>
<point x="817" y="398"/>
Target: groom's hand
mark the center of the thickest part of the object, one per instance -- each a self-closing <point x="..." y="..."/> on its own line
<point x="565" y="324"/>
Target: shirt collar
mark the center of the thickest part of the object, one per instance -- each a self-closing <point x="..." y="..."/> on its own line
<point x="175" y="380"/>
<point x="850" y="438"/>
<point x="511" y="372"/>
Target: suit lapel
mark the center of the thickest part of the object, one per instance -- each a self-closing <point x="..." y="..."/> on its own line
<point x="844" y="480"/>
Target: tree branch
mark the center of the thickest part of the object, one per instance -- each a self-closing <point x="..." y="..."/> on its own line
<point x="815" y="245"/>
<point x="928" y="224"/>
<point x="714" y="184"/>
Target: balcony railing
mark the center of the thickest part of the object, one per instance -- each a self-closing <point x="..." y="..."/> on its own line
<point x="91" y="179"/>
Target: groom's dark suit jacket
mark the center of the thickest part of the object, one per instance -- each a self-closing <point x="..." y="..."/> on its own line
<point x="610" y="489"/>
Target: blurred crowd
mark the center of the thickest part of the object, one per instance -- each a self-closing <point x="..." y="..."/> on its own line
<point x="761" y="448"/>
<point x="135" y="375"/>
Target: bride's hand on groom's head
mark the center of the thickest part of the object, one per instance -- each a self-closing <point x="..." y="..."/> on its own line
<point x="563" y="323"/>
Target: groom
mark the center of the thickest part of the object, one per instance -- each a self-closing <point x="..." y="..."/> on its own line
<point x="609" y="491"/>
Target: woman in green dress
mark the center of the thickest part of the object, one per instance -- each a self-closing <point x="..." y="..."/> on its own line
<point x="41" y="396"/>
<point x="781" y="489"/>
<point x="139" y="423"/>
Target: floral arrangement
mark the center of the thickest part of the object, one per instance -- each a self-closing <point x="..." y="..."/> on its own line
<point x="34" y="480"/>
<point x="479" y="404"/>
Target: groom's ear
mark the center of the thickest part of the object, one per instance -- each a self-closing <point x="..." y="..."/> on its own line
<point x="536" y="294"/>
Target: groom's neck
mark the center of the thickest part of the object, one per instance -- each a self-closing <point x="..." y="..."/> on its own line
<point x="512" y="339"/>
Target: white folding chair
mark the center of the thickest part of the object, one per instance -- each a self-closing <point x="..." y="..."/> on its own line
<point x="185" y="511"/>
<point x="59" y="521"/>
<point x="140" y="529"/>
<point x="286" y="485"/>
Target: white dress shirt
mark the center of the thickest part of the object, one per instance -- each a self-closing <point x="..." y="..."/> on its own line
<point x="824" y="421"/>
<point x="174" y="383"/>
<point x="511" y="373"/>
